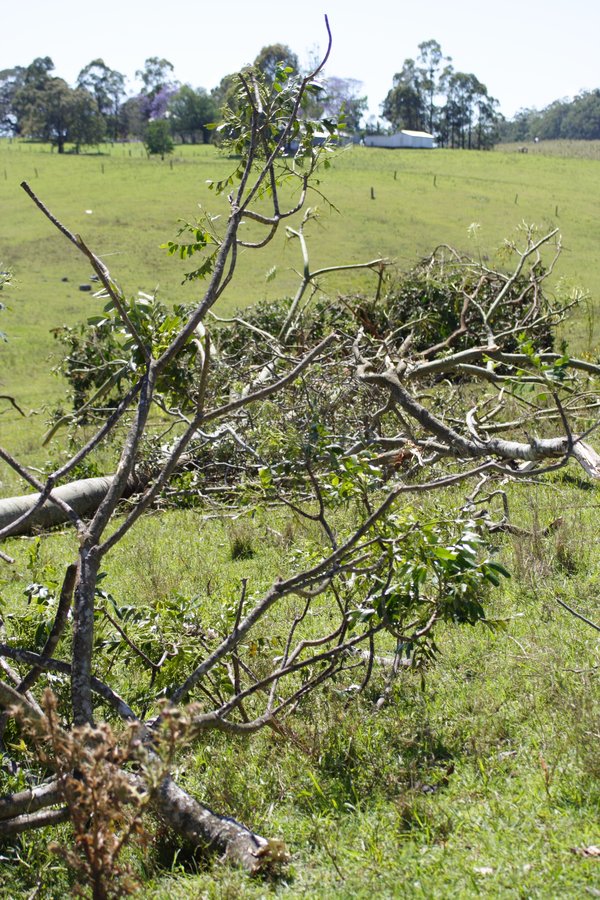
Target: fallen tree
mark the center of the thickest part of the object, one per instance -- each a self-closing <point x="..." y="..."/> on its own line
<point x="35" y="512"/>
<point x="372" y="415"/>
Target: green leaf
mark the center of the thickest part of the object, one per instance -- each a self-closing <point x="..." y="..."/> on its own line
<point x="492" y="579"/>
<point x="445" y="553"/>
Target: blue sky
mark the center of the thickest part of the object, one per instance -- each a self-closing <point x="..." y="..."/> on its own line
<point x="528" y="54"/>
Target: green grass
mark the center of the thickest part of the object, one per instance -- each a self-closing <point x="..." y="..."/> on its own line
<point x="483" y="780"/>
<point x="565" y="148"/>
<point x="480" y="781"/>
<point x="422" y="198"/>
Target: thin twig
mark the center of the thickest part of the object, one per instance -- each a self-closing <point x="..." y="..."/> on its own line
<point x="577" y="614"/>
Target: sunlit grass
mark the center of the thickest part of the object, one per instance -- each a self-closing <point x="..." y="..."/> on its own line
<point x="125" y="205"/>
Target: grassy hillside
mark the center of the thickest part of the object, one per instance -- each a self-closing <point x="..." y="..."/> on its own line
<point x="125" y="206"/>
<point x="566" y="148"/>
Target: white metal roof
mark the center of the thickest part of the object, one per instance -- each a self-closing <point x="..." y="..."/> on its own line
<point x="424" y="134"/>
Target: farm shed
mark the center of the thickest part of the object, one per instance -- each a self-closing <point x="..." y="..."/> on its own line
<point x="400" y="140"/>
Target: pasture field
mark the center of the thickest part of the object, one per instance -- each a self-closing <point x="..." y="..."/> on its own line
<point x="483" y="778"/>
<point x="125" y="206"/>
<point x="563" y="148"/>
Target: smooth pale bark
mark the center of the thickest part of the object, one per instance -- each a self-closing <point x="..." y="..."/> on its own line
<point x="84" y="496"/>
<point x="41" y="819"/>
<point x="191" y="820"/>
<point x="532" y="451"/>
<point x="30" y="800"/>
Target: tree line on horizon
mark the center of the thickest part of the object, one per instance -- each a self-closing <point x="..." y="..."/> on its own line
<point x="567" y="119"/>
<point x="427" y="94"/>
<point x="36" y="104"/>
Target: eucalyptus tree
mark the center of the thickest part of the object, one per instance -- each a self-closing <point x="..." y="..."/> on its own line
<point x="271" y="57"/>
<point x="155" y="75"/>
<point x="224" y="94"/>
<point x="263" y="166"/>
<point x="26" y="86"/>
<point x="465" y="116"/>
<point x="411" y="101"/>
<point x="56" y="113"/>
<point x="431" y="58"/>
<point x="132" y="118"/>
<point x="10" y="82"/>
<point x="469" y="117"/>
<point x="405" y="104"/>
<point x="190" y="112"/>
<point x="38" y="71"/>
<point x="341" y="98"/>
<point x="107" y="86"/>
